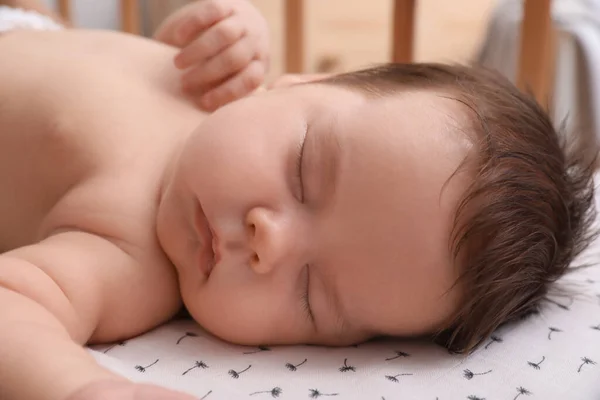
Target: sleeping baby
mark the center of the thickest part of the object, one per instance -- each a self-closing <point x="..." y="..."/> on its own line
<point x="402" y="200"/>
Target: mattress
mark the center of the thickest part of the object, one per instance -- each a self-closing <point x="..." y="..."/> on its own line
<point x="552" y="355"/>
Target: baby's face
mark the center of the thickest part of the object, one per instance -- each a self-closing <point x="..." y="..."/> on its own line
<point x="315" y="215"/>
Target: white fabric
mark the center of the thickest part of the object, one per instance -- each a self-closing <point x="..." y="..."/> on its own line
<point x="16" y="18"/>
<point x="553" y="355"/>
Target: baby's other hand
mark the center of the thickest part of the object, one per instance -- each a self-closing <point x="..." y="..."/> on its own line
<point x="225" y="49"/>
<point x="124" y="390"/>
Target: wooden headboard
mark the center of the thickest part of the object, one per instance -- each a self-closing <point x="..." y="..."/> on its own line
<point x="535" y="66"/>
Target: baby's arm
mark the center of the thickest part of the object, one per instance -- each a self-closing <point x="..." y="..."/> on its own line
<point x="54" y="297"/>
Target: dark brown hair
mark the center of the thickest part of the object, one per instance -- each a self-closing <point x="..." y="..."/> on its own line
<point x="528" y="210"/>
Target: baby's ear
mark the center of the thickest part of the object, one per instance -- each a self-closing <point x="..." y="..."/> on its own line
<point x="294" y="79"/>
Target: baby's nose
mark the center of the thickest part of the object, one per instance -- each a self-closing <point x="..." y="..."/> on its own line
<point x="270" y="239"/>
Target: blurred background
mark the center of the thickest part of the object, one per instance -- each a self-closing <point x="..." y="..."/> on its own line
<point x="340" y="34"/>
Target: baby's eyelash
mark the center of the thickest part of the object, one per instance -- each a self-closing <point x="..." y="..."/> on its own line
<point x="305" y="296"/>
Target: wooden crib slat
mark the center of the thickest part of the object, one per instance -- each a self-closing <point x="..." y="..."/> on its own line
<point x="294" y="36"/>
<point x="535" y="57"/>
<point x="130" y="16"/>
<point x="403" y="27"/>
<point x="64" y="9"/>
<point x="536" y="53"/>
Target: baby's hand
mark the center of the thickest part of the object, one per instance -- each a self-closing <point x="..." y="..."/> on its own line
<point x="124" y="390"/>
<point x="225" y="49"/>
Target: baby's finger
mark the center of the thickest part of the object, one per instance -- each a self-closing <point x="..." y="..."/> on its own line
<point x="214" y="40"/>
<point x="208" y="13"/>
<point x="231" y="60"/>
<point x="241" y="84"/>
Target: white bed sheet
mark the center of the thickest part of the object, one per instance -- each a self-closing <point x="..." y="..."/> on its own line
<point x="553" y="355"/>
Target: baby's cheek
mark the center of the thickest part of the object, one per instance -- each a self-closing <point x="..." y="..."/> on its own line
<point x="247" y="314"/>
<point x="227" y="312"/>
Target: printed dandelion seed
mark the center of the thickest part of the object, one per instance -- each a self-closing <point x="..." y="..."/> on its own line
<point x="187" y="334"/>
<point x="314" y="394"/>
<point x="143" y="369"/>
<point x="469" y="375"/>
<point x="293" y="367"/>
<point x="236" y="374"/>
<point x="346" y="367"/>
<point x="521" y="391"/>
<point x="552" y="330"/>
<point x="586" y="361"/>
<point x="559" y="305"/>
<point x="394" y="378"/>
<point x="398" y="355"/>
<point x="260" y="349"/>
<point x="114" y="345"/>
<point x="275" y="392"/>
<point x="494" y="339"/>
<point x="536" y="365"/>
<point x="197" y="364"/>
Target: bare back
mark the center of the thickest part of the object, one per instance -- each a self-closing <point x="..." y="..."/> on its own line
<point x="88" y="123"/>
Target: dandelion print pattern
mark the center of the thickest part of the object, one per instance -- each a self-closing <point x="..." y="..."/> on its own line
<point x="206" y="395"/>
<point x="293" y="367"/>
<point x="521" y="391"/>
<point x="197" y="364"/>
<point x="596" y="327"/>
<point x="552" y="330"/>
<point x="275" y="392"/>
<point x="586" y="361"/>
<point x="314" y="394"/>
<point x="187" y="334"/>
<point x="469" y="375"/>
<point x="399" y="354"/>
<point x="143" y="369"/>
<point x="346" y="367"/>
<point x="494" y="339"/>
<point x="473" y="397"/>
<point x="536" y="365"/>
<point x="394" y="378"/>
<point x="236" y="374"/>
<point x="260" y="349"/>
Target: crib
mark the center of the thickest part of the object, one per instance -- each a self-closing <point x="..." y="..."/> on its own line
<point x="535" y="68"/>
